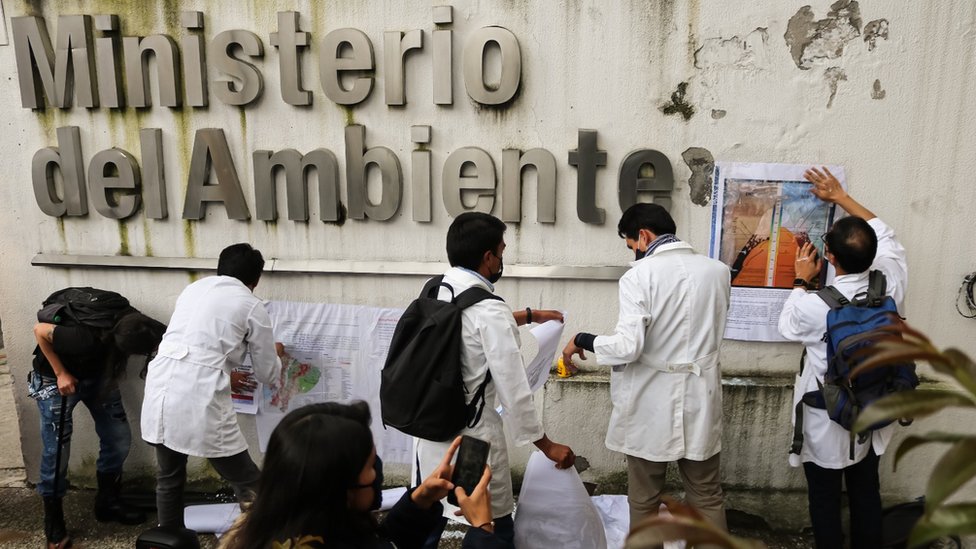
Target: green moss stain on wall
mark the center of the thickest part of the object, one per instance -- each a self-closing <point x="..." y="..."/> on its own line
<point x="184" y="147"/>
<point x="62" y="235"/>
<point x="123" y="238"/>
<point x="147" y="236"/>
<point x="48" y="119"/>
<point x="189" y="243"/>
<point x="350" y="120"/>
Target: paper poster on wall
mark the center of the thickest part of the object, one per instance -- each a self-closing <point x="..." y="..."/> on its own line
<point x="332" y="353"/>
<point x="761" y="215"/>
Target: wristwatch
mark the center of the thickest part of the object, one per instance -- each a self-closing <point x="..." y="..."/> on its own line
<point x="797" y="282"/>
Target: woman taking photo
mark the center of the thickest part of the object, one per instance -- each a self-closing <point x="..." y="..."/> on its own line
<point x="321" y="479"/>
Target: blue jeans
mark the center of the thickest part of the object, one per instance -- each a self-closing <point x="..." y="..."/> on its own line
<point x="104" y="402"/>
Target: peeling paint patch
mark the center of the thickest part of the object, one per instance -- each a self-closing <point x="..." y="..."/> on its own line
<point x="718" y="114"/>
<point x="702" y="165"/>
<point x="877" y="92"/>
<point x="873" y="31"/>
<point x="748" y="52"/>
<point x="833" y="75"/>
<point x="811" y="40"/>
<point x="678" y="105"/>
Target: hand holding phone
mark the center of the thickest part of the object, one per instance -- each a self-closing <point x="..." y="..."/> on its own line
<point x="469" y="467"/>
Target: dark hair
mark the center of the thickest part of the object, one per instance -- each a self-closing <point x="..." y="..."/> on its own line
<point x="314" y="456"/>
<point x="470" y="236"/>
<point x="853" y="243"/>
<point x="242" y="262"/>
<point x="133" y="334"/>
<point x="652" y="217"/>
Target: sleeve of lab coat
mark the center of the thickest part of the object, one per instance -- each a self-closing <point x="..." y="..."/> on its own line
<point x="260" y="342"/>
<point x="626" y="343"/>
<point x="499" y="335"/>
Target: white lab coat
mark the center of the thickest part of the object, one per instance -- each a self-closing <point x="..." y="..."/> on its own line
<point x="666" y="383"/>
<point x="187" y="405"/>
<point x="804" y="319"/>
<point x="490" y="341"/>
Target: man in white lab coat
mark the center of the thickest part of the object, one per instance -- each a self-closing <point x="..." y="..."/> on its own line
<point x="187" y="409"/>
<point x="666" y="384"/>
<point x="490" y="342"/>
<point x="854" y="246"/>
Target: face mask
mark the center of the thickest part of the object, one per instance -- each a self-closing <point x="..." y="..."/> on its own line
<point x="495" y="277"/>
<point x="377" y="485"/>
<point x="638" y="254"/>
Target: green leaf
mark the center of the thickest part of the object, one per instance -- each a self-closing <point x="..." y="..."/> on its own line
<point x="909" y="404"/>
<point x="950" y="520"/>
<point x="914" y="441"/>
<point x="955" y="468"/>
<point x="965" y="368"/>
<point x="894" y="356"/>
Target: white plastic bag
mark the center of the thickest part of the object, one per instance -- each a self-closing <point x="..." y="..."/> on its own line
<point x="554" y="509"/>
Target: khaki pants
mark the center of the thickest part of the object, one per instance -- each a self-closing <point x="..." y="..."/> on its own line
<point x="701" y="479"/>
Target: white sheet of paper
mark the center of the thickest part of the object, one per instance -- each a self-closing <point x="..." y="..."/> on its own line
<point x="547" y="334"/>
<point x="215" y="518"/>
<point x="333" y="353"/>
<point x="615" y="514"/>
<point x="554" y="509"/>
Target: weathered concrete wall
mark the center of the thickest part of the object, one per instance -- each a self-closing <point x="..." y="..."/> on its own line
<point x="882" y="88"/>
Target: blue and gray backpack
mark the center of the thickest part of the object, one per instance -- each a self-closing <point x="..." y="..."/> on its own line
<point x="853" y="327"/>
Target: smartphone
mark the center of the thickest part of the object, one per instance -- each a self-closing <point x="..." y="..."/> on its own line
<point x="469" y="466"/>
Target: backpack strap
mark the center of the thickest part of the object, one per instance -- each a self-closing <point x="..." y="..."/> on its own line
<point x="472" y="295"/>
<point x="465" y="299"/>
<point x="433" y="286"/>
<point x="476" y="408"/>
<point x="833" y="298"/>
<point x="814" y="399"/>
<point x="877" y="288"/>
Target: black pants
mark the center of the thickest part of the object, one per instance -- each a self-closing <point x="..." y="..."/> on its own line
<point x="863" y="498"/>
<point x="239" y="470"/>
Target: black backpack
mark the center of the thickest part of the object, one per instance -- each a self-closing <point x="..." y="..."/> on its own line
<point x="421" y="390"/>
<point x="853" y="327"/>
<point x="88" y="306"/>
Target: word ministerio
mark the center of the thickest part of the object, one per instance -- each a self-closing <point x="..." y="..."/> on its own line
<point x="89" y="69"/>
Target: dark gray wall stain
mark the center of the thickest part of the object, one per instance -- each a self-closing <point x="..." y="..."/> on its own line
<point x="873" y="31"/>
<point x="718" y="114"/>
<point x="678" y="105"/>
<point x="877" y="92"/>
<point x="833" y="75"/>
<point x="702" y="165"/>
<point x="810" y="40"/>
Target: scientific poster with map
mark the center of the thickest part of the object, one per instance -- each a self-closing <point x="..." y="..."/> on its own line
<point x="333" y="353"/>
<point x="761" y="215"/>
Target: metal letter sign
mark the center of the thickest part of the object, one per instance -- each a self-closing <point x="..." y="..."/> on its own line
<point x="474" y="66"/>
<point x="210" y="147"/>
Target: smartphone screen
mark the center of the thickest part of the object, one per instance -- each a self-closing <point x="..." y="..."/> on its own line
<point x="469" y="466"/>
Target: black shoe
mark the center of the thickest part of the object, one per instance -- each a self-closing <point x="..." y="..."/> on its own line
<point x="108" y="505"/>
<point x="54" y="528"/>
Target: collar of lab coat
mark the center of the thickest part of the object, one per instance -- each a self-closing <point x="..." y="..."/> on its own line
<point x="664" y="248"/>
